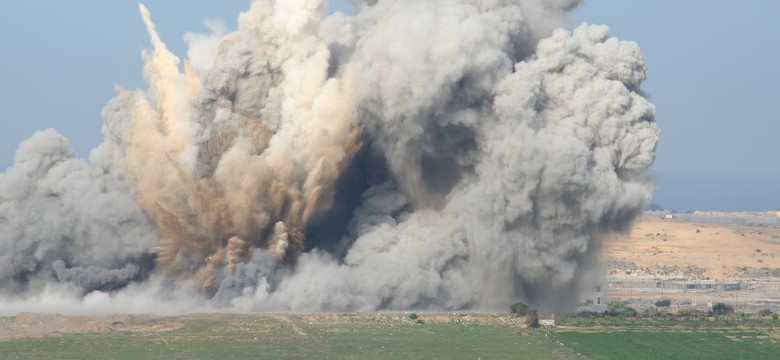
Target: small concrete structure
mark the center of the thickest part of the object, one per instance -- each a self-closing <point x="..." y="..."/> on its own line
<point x="594" y="300"/>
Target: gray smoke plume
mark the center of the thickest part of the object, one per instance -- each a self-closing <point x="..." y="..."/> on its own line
<point x="443" y="154"/>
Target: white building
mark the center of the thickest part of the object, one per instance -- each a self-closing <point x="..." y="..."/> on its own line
<point x="594" y="300"/>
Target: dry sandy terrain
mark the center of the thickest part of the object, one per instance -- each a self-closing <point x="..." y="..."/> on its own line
<point x="660" y="257"/>
<point x="26" y="325"/>
<point x="30" y="325"/>
<point x="713" y="251"/>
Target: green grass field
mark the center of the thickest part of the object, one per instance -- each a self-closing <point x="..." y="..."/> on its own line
<point x="729" y="338"/>
<point x="292" y="337"/>
<point x="671" y="345"/>
<point x="382" y="336"/>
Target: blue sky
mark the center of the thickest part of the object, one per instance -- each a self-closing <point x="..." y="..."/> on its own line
<point x="714" y="70"/>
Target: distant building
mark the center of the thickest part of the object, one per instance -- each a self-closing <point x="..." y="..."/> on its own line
<point x="703" y="285"/>
<point x="594" y="300"/>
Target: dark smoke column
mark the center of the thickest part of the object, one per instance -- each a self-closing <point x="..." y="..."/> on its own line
<point x="511" y="148"/>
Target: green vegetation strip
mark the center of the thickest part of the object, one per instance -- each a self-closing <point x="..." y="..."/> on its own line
<point x="396" y="336"/>
<point x="670" y="344"/>
<point x="664" y="336"/>
<point x="294" y="337"/>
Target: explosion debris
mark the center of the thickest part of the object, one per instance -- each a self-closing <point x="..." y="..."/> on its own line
<point x="446" y="154"/>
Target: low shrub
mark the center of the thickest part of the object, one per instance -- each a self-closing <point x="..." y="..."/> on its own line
<point x="620" y="309"/>
<point x="691" y="313"/>
<point x="519" y="309"/>
<point x="532" y="318"/>
<point x="722" y="309"/>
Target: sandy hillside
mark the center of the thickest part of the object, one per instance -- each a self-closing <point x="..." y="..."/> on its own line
<point x="695" y="251"/>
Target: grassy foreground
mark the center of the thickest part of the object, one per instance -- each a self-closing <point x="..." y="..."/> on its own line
<point x="291" y="337"/>
<point x="714" y="338"/>
<point x="383" y="336"/>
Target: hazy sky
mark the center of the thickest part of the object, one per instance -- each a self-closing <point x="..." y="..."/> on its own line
<point x="714" y="70"/>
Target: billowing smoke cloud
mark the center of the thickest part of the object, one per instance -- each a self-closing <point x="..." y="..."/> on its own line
<point x="443" y="154"/>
